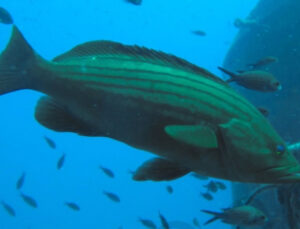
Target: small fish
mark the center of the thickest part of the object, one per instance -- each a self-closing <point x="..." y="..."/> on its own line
<point x="20" y="181"/>
<point x="207" y="196"/>
<point x="61" y="162"/>
<point x="179" y="225"/>
<point x="163" y="221"/>
<point x="134" y="2"/>
<point x="112" y="196"/>
<point x="72" y="206"/>
<point x="147" y="223"/>
<point x="255" y="80"/>
<point x="264" y="111"/>
<point x="8" y="209"/>
<point x="196" y="222"/>
<point x="199" y="33"/>
<point x="211" y="186"/>
<point x="244" y="215"/>
<point x="5" y="16"/>
<point x="198" y="176"/>
<point x="245" y="23"/>
<point x="220" y="185"/>
<point x="29" y="200"/>
<point x="50" y="142"/>
<point x="107" y="171"/>
<point x="263" y="62"/>
<point x="169" y="189"/>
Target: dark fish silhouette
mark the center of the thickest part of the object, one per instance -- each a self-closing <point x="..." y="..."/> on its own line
<point x="20" y="181"/>
<point x="255" y="80"/>
<point x="107" y="171"/>
<point x="211" y="186"/>
<point x="5" y="16"/>
<point x="163" y="221"/>
<point x="169" y="189"/>
<point x="134" y="2"/>
<point x="207" y="196"/>
<point x="263" y="62"/>
<point x="72" y="206"/>
<point x="264" y="111"/>
<point x="196" y="222"/>
<point x="50" y="142"/>
<point x="199" y="33"/>
<point x="220" y="185"/>
<point x="147" y="223"/>
<point x="8" y="209"/>
<point x="112" y="196"/>
<point x="245" y="215"/>
<point x="61" y="162"/>
<point x="29" y="200"/>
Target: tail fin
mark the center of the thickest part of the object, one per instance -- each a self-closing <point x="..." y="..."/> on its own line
<point x="231" y="74"/>
<point x="215" y="214"/>
<point x="15" y="61"/>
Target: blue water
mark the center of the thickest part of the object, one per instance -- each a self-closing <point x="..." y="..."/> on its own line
<point x="53" y="27"/>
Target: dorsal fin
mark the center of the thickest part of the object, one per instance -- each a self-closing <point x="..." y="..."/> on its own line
<point x="93" y="48"/>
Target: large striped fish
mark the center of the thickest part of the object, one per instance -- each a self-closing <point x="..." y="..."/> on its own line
<point x="152" y="101"/>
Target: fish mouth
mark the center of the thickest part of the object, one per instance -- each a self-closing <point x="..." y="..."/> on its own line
<point x="281" y="174"/>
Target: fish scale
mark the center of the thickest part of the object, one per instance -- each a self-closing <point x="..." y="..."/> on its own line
<point x="106" y="68"/>
<point x="154" y="86"/>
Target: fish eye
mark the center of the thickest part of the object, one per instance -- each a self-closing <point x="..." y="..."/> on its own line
<point x="280" y="149"/>
<point x="277" y="83"/>
<point x="263" y="218"/>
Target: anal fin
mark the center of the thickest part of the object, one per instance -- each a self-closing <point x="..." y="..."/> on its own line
<point x="159" y="169"/>
<point x="51" y="114"/>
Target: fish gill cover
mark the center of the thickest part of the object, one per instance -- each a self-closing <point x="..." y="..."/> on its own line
<point x="52" y="183"/>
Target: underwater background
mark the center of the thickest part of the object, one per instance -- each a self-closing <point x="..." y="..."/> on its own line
<point x="53" y="27"/>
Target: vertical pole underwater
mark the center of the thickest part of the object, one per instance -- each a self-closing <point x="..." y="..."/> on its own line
<point x="276" y="33"/>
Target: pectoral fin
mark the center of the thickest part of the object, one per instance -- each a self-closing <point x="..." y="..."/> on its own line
<point x="158" y="169"/>
<point x="196" y="135"/>
<point x="51" y="114"/>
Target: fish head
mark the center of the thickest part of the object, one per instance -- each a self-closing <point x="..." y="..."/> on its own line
<point x="256" y="216"/>
<point x="246" y="215"/>
<point x="256" y="153"/>
<point x="275" y="85"/>
<point x="258" y="219"/>
<point x="271" y="83"/>
<point x="262" y="80"/>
